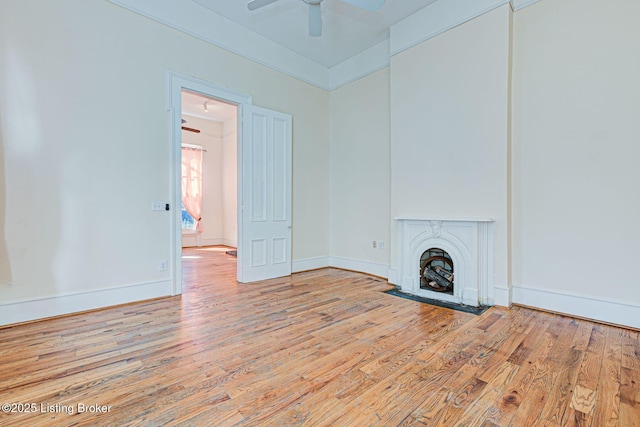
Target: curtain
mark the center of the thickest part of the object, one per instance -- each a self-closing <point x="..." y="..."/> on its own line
<point x="192" y="183"/>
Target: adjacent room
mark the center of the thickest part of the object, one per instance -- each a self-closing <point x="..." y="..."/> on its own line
<point x="323" y="212"/>
<point x="208" y="176"/>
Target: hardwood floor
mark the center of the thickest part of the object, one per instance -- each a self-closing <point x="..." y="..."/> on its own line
<point x="321" y="348"/>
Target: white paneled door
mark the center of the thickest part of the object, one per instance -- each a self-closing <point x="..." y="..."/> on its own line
<point x="266" y="195"/>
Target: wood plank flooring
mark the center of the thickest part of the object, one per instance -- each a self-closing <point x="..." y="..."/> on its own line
<point x="321" y="348"/>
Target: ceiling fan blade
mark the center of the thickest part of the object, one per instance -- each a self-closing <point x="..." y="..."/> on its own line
<point x="371" y="5"/>
<point x="255" y="4"/>
<point x="315" y="20"/>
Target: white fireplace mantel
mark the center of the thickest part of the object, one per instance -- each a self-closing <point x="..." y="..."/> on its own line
<point x="449" y="219"/>
<point x="469" y="242"/>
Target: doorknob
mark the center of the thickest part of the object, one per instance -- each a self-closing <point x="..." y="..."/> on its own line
<point x="289" y="227"/>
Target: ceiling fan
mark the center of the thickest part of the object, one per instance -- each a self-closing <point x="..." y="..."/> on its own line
<point x="315" y="15"/>
<point x="188" y="128"/>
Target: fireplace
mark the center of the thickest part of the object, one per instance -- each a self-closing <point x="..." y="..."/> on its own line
<point x="436" y="271"/>
<point x="446" y="259"/>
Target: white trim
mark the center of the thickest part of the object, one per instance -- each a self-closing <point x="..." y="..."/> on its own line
<point x="204" y="24"/>
<point x="44" y="307"/>
<point x="307" y="264"/>
<point x="176" y="82"/>
<point x="204" y="87"/>
<point x="199" y="22"/>
<point x="502" y="296"/>
<point x="367" y="267"/>
<point x="610" y="311"/>
<point x="376" y="269"/>
<point x="469" y="243"/>
<point x="218" y="242"/>
<point x="392" y="276"/>
<point x="187" y="239"/>
<point x="462" y="219"/>
<point x="435" y="19"/>
<point x="367" y="62"/>
<point x="521" y="4"/>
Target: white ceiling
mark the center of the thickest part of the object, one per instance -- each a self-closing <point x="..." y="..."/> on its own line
<point x="355" y="42"/>
<point x="193" y="106"/>
<point x="347" y="30"/>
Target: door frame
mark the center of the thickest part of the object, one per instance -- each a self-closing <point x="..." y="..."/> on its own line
<point x="176" y="83"/>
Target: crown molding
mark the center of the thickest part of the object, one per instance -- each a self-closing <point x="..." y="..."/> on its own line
<point x="435" y="19"/>
<point x="441" y="16"/>
<point x="521" y="4"/>
<point x="361" y="65"/>
<point x="201" y="23"/>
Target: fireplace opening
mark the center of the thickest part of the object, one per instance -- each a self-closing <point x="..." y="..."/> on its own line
<point x="436" y="271"/>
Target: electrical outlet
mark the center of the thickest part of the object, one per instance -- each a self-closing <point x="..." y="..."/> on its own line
<point x="158" y="206"/>
<point x="375" y="244"/>
<point x="380" y="244"/>
<point x="163" y="265"/>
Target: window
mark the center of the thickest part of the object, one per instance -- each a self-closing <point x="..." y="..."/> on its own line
<point x="188" y="223"/>
<point x="191" y="187"/>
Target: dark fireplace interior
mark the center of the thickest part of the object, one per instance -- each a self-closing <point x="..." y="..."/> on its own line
<point x="436" y="271"/>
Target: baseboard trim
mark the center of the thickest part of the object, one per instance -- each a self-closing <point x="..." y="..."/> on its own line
<point x="502" y="296"/>
<point x="606" y="311"/>
<point x="59" y="305"/>
<point x="191" y="241"/>
<point x="307" y="264"/>
<point x="392" y="276"/>
<point x="375" y="269"/>
<point x="218" y="242"/>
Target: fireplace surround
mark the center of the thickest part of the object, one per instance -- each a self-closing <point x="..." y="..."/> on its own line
<point x="469" y="245"/>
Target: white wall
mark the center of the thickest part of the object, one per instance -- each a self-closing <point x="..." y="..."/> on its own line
<point x="5" y="266"/>
<point x="576" y="104"/>
<point x="230" y="182"/>
<point x="84" y="148"/>
<point x="359" y="174"/>
<point x="449" y="128"/>
<point x="86" y="142"/>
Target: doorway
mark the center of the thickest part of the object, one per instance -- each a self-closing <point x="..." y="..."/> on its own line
<point x="263" y="181"/>
<point x="209" y="179"/>
<point x="209" y="158"/>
